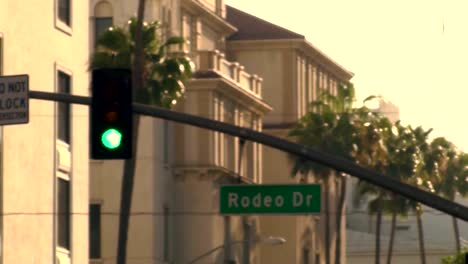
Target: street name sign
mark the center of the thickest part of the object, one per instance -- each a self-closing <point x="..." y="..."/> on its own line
<point x="270" y="199"/>
<point x="14" y="99"/>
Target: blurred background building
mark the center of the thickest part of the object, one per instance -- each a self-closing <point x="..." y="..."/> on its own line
<point x="295" y="72"/>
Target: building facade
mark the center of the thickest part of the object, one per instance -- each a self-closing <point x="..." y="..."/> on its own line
<point x="44" y="163"/>
<point x="106" y="176"/>
<point x="295" y="73"/>
<point x="175" y="215"/>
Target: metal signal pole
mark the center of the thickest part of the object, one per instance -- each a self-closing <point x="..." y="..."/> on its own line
<point x="338" y="163"/>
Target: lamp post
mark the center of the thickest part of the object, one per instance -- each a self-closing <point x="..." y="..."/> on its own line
<point x="271" y="240"/>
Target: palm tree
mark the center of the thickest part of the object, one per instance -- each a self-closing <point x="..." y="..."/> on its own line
<point x="401" y="166"/>
<point x="452" y="174"/>
<point x="375" y="207"/>
<point x="157" y="77"/>
<point x="460" y="169"/>
<point x="329" y="126"/>
<point x="422" y="177"/>
<point x="164" y="72"/>
<point x="342" y="103"/>
<point x="314" y="129"/>
<point x="398" y="206"/>
<point x="373" y="154"/>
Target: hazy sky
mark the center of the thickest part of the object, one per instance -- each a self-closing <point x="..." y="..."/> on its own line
<point x="413" y="52"/>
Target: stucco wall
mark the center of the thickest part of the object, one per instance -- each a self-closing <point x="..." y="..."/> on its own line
<point x="150" y="194"/>
<point x="34" y="45"/>
<point x="275" y="66"/>
<point x="209" y="38"/>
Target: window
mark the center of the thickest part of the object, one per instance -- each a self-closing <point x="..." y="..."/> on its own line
<point x="186" y="31"/>
<point x="305" y="256"/>
<point x="101" y="24"/>
<point x="166" y="234"/>
<point x="317" y="258"/>
<point x="64" y="11"/>
<point x="1" y="53"/>
<point x="166" y="139"/>
<point x="63" y="213"/>
<point x="229" y="141"/>
<point x="169" y="23"/>
<point x="248" y="151"/>
<point x="63" y="219"/>
<point x="1" y="139"/>
<point x="63" y="111"/>
<point x="166" y="18"/>
<point x="95" y="231"/>
<point x="102" y="18"/>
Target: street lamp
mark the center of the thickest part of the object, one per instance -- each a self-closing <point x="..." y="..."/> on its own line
<point x="271" y="240"/>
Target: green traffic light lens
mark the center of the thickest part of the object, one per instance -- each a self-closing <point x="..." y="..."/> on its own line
<point x="111" y="138"/>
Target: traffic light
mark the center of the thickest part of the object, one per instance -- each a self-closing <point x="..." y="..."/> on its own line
<point x="111" y="114"/>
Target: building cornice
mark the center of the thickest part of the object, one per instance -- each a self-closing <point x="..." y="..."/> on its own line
<point x="301" y="45"/>
<point x="227" y="87"/>
<point x="196" y="8"/>
<point x="310" y="50"/>
<point x="219" y="174"/>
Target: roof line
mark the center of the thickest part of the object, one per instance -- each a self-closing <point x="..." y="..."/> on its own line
<point x="251" y="27"/>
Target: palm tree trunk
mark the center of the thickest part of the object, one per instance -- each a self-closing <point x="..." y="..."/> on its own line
<point x="457" y="234"/>
<point x="377" y="230"/>
<point x="392" y="236"/>
<point x="422" y="250"/>
<point x="126" y="196"/>
<point x="339" y="218"/>
<point x="326" y="197"/>
<point x="130" y="164"/>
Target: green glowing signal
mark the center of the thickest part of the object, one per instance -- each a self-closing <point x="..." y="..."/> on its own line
<point x="111" y="138"/>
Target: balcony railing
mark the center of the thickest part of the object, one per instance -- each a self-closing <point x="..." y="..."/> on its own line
<point x="213" y="60"/>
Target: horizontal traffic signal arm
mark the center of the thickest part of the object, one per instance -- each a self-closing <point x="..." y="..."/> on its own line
<point x="338" y="163"/>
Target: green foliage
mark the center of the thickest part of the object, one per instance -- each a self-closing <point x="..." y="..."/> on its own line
<point x="457" y="258"/>
<point x="449" y="167"/>
<point x="329" y="126"/>
<point x="366" y="137"/>
<point x="165" y="72"/>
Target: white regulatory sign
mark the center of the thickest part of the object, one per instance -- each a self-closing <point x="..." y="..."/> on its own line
<point x="14" y="99"/>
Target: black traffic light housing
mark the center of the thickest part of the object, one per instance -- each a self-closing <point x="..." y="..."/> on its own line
<point x="111" y="114"/>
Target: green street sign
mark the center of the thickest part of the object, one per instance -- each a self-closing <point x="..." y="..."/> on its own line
<point x="270" y="199"/>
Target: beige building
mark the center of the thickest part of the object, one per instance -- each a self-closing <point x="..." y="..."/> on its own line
<point x="44" y="163"/>
<point x="294" y="73"/>
<point x="179" y="168"/>
<point x="106" y="176"/>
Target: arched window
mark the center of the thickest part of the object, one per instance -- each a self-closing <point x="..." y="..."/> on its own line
<point x="102" y="18"/>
